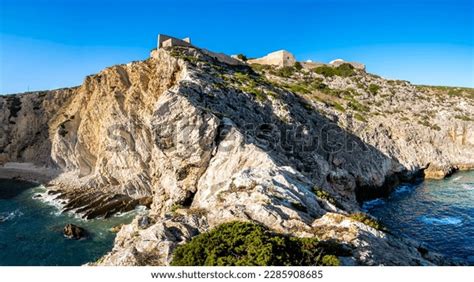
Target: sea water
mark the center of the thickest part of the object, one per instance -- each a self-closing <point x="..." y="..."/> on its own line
<point x="439" y="213"/>
<point x="31" y="229"/>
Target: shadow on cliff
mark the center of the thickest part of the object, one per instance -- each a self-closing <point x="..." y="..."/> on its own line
<point x="24" y="137"/>
<point x="311" y="143"/>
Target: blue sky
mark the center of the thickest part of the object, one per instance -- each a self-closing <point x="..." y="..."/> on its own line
<point x="46" y="44"/>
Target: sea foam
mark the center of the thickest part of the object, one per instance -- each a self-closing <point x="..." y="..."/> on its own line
<point x="457" y="178"/>
<point x="467" y="186"/>
<point x="7" y="216"/>
<point x="449" y="220"/>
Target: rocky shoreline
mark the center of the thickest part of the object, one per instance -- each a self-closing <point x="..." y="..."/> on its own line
<point x="88" y="204"/>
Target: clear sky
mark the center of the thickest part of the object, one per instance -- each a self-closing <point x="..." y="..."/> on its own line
<point x="47" y="44"/>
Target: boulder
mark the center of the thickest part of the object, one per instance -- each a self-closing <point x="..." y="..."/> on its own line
<point x="72" y="231"/>
<point x="116" y="228"/>
<point x="438" y="171"/>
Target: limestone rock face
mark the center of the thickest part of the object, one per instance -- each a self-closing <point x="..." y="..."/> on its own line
<point x="203" y="142"/>
<point x="108" y="133"/>
<point x="24" y="120"/>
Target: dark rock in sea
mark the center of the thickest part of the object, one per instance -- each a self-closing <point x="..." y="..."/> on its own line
<point x="72" y="231"/>
<point x="94" y="204"/>
<point x="53" y="192"/>
<point x="37" y="196"/>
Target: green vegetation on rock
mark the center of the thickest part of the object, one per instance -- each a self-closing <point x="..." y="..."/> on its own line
<point x="357" y="106"/>
<point x="463" y="117"/>
<point x="298" y="66"/>
<point x="284" y="71"/>
<point x="359" y="117"/>
<point x="242" y="57"/>
<point x="320" y="193"/>
<point x="448" y="90"/>
<point x="176" y="207"/>
<point x="245" y="243"/>
<point x="307" y="86"/>
<point x="344" y="70"/>
<point x="374" y="88"/>
<point x="368" y="220"/>
<point x="250" y="84"/>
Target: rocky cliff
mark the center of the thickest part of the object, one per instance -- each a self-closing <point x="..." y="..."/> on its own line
<point x="203" y="142"/>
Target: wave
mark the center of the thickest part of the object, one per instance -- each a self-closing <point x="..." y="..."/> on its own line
<point x="59" y="204"/>
<point x="457" y="178"/>
<point x="56" y="202"/>
<point x="372" y="204"/>
<point x="7" y="216"/>
<point x="50" y="199"/>
<point x="449" y="220"/>
<point x="138" y="210"/>
<point x="467" y="186"/>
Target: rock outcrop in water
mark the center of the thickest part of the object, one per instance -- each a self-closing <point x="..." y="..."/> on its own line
<point x="204" y="142"/>
<point x="72" y="231"/>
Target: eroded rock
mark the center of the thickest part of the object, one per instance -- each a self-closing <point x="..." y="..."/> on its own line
<point x="72" y="231"/>
<point x="202" y="143"/>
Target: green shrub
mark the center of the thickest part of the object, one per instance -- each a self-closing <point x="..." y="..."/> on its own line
<point x="298" y="66"/>
<point x="242" y="57"/>
<point x="320" y="193"/>
<point x="259" y="94"/>
<point x="425" y="121"/>
<point x="330" y="260"/>
<point x="246" y="244"/>
<point x="326" y="71"/>
<point x="299" y="88"/>
<point x="285" y="71"/>
<point x="306" y="87"/>
<point x="344" y="70"/>
<point x="338" y="107"/>
<point x="250" y="84"/>
<point x="374" y="88"/>
<point x="359" y="117"/>
<point x="242" y="77"/>
<point x="259" y="67"/>
<point x="463" y="117"/>
<point x="356" y="106"/>
<point x="368" y="220"/>
<point x="318" y="85"/>
<point x="176" y="207"/>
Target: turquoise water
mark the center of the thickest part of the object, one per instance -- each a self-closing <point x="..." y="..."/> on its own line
<point x="439" y="213"/>
<point x="31" y="230"/>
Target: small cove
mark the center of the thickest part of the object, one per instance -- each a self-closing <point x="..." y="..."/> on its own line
<point x="31" y="229"/>
<point x="439" y="213"/>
